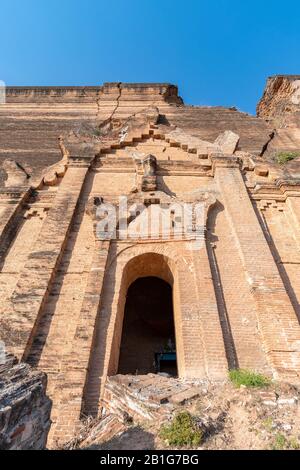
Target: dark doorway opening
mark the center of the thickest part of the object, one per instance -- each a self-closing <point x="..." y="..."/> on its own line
<point x="148" y="335"/>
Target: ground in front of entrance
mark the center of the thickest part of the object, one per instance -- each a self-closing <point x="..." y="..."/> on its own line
<point x="229" y="417"/>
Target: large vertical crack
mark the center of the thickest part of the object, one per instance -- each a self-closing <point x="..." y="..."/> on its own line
<point x="117" y="100"/>
<point x="119" y="86"/>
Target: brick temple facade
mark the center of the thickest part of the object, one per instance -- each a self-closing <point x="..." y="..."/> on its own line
<point x="81" y="303"/>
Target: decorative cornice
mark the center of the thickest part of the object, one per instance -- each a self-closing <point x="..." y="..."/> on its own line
<point x="279" y="189"/>
<point x="223" y="161"/>
<point x="290" y="184"/>
<point x="14" y="194"/>
<point x="197" y="149"/>
<point x="82" y="161"/>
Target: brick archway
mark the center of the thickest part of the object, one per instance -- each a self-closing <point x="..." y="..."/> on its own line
<point x="199" y="341"/>
<point x="148" y="264"/>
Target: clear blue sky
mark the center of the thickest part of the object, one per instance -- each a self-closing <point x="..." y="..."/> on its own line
<point x="218" y="52"/>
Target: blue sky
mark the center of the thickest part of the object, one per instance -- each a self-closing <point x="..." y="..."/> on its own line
<point x="217" y="52"/>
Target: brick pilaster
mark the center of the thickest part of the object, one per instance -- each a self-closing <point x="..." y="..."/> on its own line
<point x="213" y="341"/>
<point x="69" y="403"/>
<point x="32" y="289"/>
<point x="189" y="334"/>
<point x="276" y="317"/>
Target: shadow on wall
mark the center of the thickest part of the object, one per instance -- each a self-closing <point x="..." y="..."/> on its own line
<point x="212" y="239"/>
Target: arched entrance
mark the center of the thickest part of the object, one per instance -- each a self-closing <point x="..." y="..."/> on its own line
<point x="128" y="271"/>
<point x="148" y="333"/>
<point x="199" y="343"/>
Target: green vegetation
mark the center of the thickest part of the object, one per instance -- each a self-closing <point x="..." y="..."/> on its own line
<point x="284" y="157"/>
<point x="182" y="431"/>
<point x="280" y="442"/>
<point x="283" y="443"/>
<point x="268" y="424"/>
<point x="294" y="444"/>
<point x="248" y="378"/>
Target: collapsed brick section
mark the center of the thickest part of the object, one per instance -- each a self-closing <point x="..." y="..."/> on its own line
<point x="146" y="397"/>
<point x="24" y="407"/>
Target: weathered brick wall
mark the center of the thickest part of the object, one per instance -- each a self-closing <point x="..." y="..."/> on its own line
<point x="237" y="308"/>
<point x="20" y="248"/>
<point x="276" y="317"/>
<point x="235" y="299"/>
<point x="282" y="233"/>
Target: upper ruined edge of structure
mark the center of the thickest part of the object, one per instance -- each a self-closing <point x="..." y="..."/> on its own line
<point x="281" y="99"/>
<point x="288" y="77"/>
<point x="165" y="92"/>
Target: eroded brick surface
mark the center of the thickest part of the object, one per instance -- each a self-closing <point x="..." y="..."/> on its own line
<point x="24" y="406"/>
<point x="64" y="286"/>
